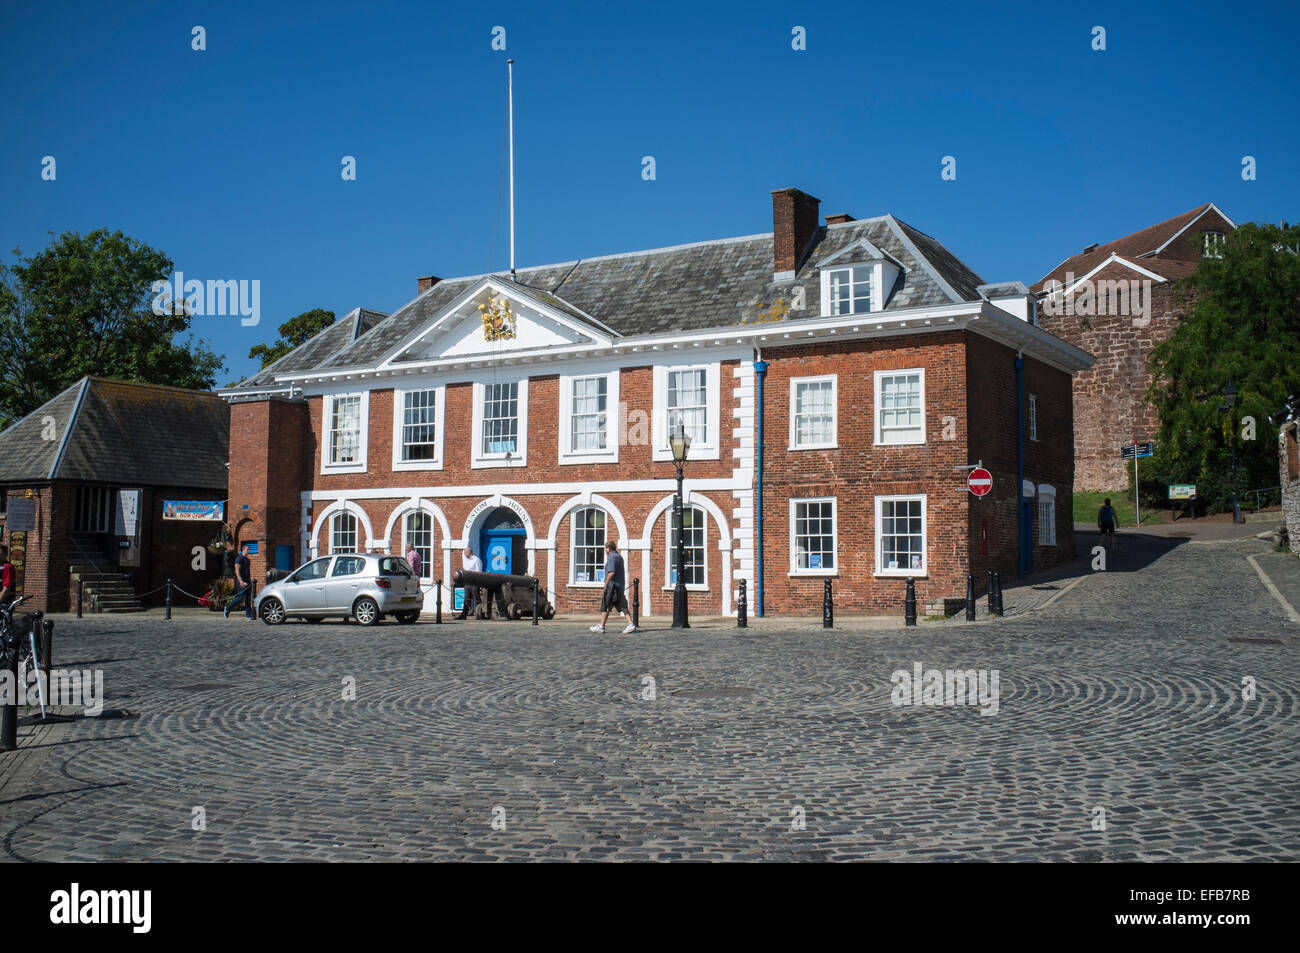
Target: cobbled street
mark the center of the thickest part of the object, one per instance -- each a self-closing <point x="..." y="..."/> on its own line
<point x="1125" y="693"/>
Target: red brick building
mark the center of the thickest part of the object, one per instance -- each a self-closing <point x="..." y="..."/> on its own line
<point x="844" y="374"/>
<point x="1117" y="301"/>
<point x="77" y="458"/>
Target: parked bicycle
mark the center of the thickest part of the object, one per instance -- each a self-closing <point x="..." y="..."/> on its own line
<point x="18" y="639"/>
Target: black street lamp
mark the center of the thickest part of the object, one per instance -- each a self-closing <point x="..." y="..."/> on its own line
<point x="681" y="444"/>
<point x="1229" y="401"/>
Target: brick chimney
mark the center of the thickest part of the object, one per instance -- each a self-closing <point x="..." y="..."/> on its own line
<point x="794" y="223"/>
<point x="424" y="284"/>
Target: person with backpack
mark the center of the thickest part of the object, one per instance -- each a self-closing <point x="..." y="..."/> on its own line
<point x="1106" y="522"/>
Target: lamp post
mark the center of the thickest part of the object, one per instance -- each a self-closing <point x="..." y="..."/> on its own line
<point x="1229" y="401"/>
<point x="680" y="441"/>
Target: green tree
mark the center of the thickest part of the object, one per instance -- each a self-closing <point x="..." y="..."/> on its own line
<point x="83" y="306"/>
<point x="294" y="332"/>
<point x="1243" y="331"/>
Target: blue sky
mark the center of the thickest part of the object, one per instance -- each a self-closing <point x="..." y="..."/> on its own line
<point x="229" y="159"/>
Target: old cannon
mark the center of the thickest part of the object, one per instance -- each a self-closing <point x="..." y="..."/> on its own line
<point x="513" y="595"/>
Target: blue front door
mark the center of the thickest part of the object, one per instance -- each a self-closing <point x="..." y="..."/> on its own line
<point x="284" y="557"/>
<point x="497" y="551"/>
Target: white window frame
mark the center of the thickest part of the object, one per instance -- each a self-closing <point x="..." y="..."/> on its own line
<point x="327" y="433"/>
<point x="794" y="412"/>
<point x="700" y="450"/>
<point x="1046" y="527"/>
<point x="877" y="410"/>
<point x="795" y="569"/>
<point x="574" y="582"/>
<point x="1033" y="417"/>
<point x="399" y="417"/>
<point x="881" y="569"/>
<point x="612" y="420"/>
<point x="426" y="569"/>
<point x="671" y="562"/>
<point x="872" y="270"/>
<point x="480" y="460"/>
<point x="359" y="544"/>
<point x="876" y="298"/>
<point x="1212" y="244"/>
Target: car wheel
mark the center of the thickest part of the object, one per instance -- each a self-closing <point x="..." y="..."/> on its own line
<point x="366" y="611"/>
<point x="272" y="611"/>
<point x="406" y="618"/>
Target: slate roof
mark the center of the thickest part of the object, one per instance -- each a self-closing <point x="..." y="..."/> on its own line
<point x="122" y="433"/>
<point x="317" y="350"/>
<point x="696" y="287"/>
<point x="1136" y="248"/>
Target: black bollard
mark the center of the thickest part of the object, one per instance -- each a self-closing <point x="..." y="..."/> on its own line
<point x="47" y="647"/>
<point x="169" y="598"/>
<point x="828" y="607"/>
<point x="997" y="593"/>
<point x="81" y="595"/>
<point x="636" y="601"/>
<point x="535" y="584"/>
<point x="9" y="704"/>
<point x="742" y="607"/>
<point x="437" y="617"/>
<point x="970" y="597"/>
<point x="992" y="598"/>
<point x="909" y="605"/>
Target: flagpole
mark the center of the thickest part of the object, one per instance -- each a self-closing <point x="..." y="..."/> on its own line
<point x="510" y="112"/>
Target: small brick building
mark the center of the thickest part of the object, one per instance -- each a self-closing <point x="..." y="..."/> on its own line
<point x="1117" y="301"/>
<point x="74" y="457"/>
<point x="838" y="379"/>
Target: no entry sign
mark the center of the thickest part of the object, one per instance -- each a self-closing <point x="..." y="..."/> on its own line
<point x="980" y="481"/>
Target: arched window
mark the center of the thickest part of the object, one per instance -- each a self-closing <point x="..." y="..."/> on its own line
<point x="343" y="533"/>
<point x="693" y="545"/>
<point x="588" y="550"/>
<point x="417" y="531"/>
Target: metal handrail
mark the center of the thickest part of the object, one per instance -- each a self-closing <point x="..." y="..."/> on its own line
<point x="1267" y="489"/>
<point x="99" y="573"/>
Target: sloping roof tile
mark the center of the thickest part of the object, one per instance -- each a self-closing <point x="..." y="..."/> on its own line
<point x="123" y="433"/>
<point x="715" y="284"/>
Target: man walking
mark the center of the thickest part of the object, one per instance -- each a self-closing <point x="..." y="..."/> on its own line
<point x="243" y="584"/>
<point x="612" y="598"/>
<point x="470" y="563"/>
<point x="1106" y="522"/>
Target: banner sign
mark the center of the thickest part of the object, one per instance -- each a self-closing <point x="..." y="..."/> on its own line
<point x="193" y="510"/>
<point x="22" y="516"/>
<point x="1182" y="491"/>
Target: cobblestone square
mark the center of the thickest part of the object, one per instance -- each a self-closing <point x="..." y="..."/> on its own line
<point x="1124" y="694"/>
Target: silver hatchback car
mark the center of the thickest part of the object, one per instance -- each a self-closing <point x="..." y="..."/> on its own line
<point x="358" y="585"/>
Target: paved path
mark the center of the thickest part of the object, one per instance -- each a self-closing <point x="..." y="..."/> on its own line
<point x="1122" y="694"/>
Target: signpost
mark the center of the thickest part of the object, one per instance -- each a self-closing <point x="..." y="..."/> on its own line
<point x="1182" y="491"/>
<point x="980" y="481"/>
<point x="1131" y="452"/>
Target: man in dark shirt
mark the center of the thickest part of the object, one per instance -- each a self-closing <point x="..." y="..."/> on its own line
<point x="612" y="598"/>
<point x="243" y="584"/>
<point x="1106" y="522"/>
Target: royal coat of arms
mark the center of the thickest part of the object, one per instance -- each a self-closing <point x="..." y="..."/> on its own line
<point x="498" y="321"/>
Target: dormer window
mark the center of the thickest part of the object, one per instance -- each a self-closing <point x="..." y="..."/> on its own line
<point x="850" y="289"/>
<point x="1213" y="245"/>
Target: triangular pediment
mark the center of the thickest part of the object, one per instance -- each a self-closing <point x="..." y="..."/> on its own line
<point x="857" y="252"/>
<point x="496" y="317"/>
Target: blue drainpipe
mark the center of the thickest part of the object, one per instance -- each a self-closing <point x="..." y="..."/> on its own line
<point x="1020" y="465"/>
<point x="760" y="368"/>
